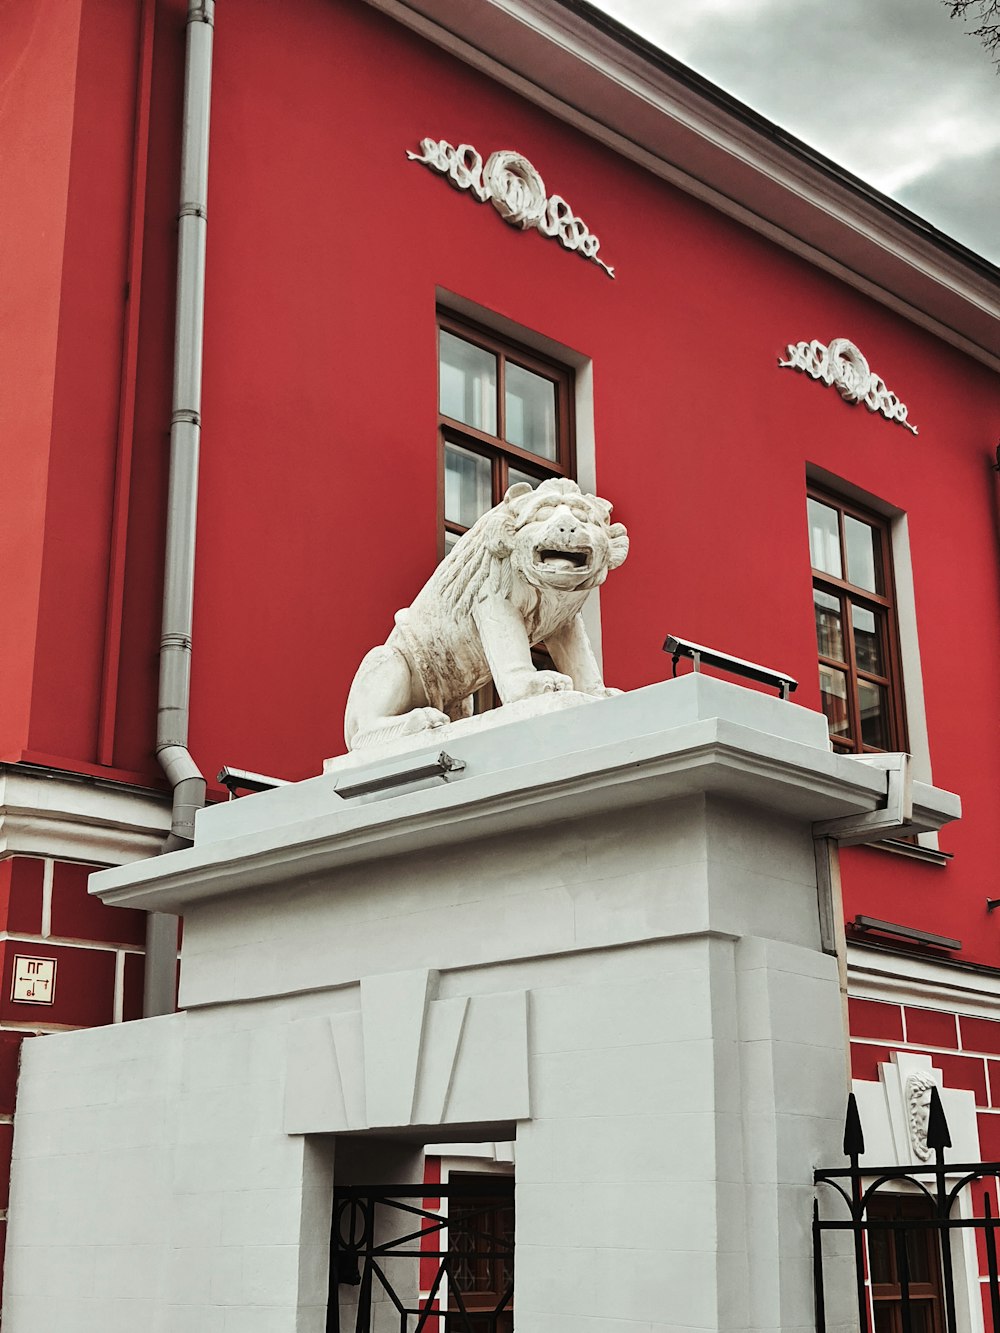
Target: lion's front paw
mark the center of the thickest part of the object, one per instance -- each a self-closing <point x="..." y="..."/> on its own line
<point x="604" y="692"/>
<point x="533" y="683"/>
<point x="423" y="719"/>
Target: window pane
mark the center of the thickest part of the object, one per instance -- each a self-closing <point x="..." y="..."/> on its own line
<point x="917" y="1256"/>
<point x="921" y="1317"/>
<point x="514" y="475"/>
<point x="450" y="539"/>
<point x="833" y="692"/>
<point x="824" y="539"/>
<point x="468" y="488"/>
<point x="468" y="383"/>
<point x="868" y="640"/>
<point x="874" y="722"/>
<point x="829" y="627"/>
<point x="531" y="411"/>
<point x="864" y="565"/>
<point x="879" y="1255"/>
<point x="883" y="1316"/>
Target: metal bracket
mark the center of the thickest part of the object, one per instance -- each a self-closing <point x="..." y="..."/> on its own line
<point x="895" y="814"/>
<point x="440" y="767"/>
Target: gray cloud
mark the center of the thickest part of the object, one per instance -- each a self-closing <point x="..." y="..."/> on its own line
<point x="962" y="198"/>
<point x="893" y="90"/>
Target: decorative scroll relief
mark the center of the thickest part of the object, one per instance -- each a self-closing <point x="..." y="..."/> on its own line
<point x="844" y="366"/>
<point x="516" y="191"/>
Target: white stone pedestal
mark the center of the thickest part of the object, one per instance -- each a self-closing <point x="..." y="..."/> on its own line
<point x="601" y="939"/>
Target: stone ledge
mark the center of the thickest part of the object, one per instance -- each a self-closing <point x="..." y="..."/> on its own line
<point x="712" y="756"/>
<point x="66" y="816"/>
<point x="507" y="739"/>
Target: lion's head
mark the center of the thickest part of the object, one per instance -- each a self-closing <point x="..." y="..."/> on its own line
<point x="559" y="538"/>
<point x="552" y="537"/>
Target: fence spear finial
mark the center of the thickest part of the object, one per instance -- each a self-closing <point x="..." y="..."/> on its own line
<point x="854" y="1139"/>
<point x="938" y="1134"/>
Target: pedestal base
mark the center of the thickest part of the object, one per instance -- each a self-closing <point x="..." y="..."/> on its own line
<point x="600" y="940"/>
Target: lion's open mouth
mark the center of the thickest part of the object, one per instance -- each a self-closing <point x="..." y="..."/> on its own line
<point x="561" y="560"/>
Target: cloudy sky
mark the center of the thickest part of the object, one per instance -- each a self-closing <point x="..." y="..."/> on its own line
<point x="893" y="90"/>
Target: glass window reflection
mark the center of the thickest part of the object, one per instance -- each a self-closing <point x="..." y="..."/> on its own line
<point x="530" y="407"/>
<point x="863" y="554"/>
<point x="514" y="475"/>
<point x="468" y="383"/>
<point x="468" y="489"/>
<point x="833" y="695"/>
<point x="868" y="640"/>
<point x="829" y="625"/>
<point x="824" y="539"/>
<point x="872" y="701"/>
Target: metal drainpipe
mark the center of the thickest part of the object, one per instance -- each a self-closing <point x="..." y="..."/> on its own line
<point x="186" y="778"/>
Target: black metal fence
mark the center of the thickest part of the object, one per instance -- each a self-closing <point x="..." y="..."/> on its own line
<point x="416" y="1258"/>
<point x="902" y="1221"/>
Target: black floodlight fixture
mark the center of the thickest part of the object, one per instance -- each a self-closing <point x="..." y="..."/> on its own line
<point x="866" y="923"/>
<point x="236" y="780"/>
<point x="737" y="666"/>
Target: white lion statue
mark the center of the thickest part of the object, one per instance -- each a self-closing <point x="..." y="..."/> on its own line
<point x="518" y="578"/>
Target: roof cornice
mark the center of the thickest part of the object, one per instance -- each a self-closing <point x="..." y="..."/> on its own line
<point x="595" y="74"/>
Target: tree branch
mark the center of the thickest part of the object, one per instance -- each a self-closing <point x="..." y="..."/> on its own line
<point x="987" y="14"/>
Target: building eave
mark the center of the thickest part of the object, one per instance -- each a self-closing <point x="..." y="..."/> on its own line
<point x="595" y="74"/>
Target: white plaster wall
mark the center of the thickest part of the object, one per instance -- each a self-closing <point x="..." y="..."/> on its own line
<point x="634" y="1136"/>
<point x="793" y="1095"/>
<point x="681" y="1090"/>
<point x="153" y="1188"/>
<point x="92" y="1178"/>
<point x="644" y="873"/>
<point x="668" y="1039"/>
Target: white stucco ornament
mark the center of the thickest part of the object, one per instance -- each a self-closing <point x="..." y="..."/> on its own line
<point x="843" y="365"/>
<point x="918" y="1105"/>
<point x="516" y="191"/>
<point x="519" y="577"/>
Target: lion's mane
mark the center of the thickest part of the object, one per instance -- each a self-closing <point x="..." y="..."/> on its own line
<point x="480" y="558"/>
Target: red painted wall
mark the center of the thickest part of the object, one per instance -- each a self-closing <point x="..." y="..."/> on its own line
<point x="319" y="468"/>
<point x="37" y="86"/>
<point x="85" y="411"/>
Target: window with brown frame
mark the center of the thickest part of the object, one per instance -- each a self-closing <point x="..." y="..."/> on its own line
<point x="859" y="672"/>
<point x="922" y="1263"/>
<point x="481" y="1257"/>
<point x="505" y="415"/>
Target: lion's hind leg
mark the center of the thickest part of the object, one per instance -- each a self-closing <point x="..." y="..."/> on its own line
<point x="386" y="702"/>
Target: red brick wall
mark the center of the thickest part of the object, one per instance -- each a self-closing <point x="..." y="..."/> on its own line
<point x="46" y="912"/>
<point x="965" y="1049"/>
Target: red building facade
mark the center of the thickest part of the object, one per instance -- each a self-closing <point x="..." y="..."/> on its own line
<point x="334" y="254"/>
